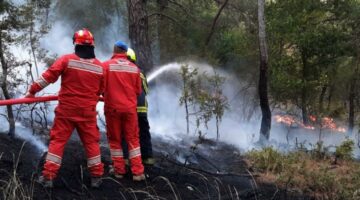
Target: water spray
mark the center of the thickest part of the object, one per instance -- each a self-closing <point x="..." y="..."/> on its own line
<point x="157" y="72"/>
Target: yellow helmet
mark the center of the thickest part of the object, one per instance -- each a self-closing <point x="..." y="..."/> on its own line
<point x="131" y="54"/>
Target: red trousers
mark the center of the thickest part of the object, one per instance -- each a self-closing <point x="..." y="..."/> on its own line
<point x="65" y="122"/>
<point x="119" y="125"/>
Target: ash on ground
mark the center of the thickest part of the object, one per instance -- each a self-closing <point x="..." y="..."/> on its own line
<point x="201" y="169"/>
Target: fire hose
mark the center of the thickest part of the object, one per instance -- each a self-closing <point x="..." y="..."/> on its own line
<point x="30" y="100"/>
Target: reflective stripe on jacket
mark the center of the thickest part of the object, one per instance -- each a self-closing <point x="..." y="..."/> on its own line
<point x="142" y="104"/>
<point x="81" y="81"/>
<point x="122" y="84"/>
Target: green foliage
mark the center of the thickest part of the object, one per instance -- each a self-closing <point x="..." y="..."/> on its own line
<point x="188" y="76"/>
<point x="202" y="97"/>
<point x="267" y="160"/>
<point x="320" y="151"/>
<point x="216" y="103"/>
<point x="21" y="27"/>
<point x="323" y="181"/>
<point x="189" y="88"/>
<point x="183" y="26"/>
<point x="300" y="170"/>
<point x="345" y="150"/>
<point x="307" y="48"/>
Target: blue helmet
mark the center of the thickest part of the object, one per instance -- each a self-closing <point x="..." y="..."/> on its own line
<point x="121" y="45"/>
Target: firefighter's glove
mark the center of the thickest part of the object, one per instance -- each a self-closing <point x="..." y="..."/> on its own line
<point x="29" y="95"/>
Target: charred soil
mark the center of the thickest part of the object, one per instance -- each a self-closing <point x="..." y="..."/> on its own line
<point x="202" y="170"/>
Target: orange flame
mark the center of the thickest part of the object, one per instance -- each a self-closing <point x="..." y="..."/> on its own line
<point x="329" y="123"/>
<point x="312" y="118"/>
<point x="288" y="120"/>
<point x="326" y="122"/>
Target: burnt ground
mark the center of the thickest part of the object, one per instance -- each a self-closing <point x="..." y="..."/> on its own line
<point x="204" y="170"/>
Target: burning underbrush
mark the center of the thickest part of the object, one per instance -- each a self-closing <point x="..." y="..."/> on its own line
<point x="325" y="123"/>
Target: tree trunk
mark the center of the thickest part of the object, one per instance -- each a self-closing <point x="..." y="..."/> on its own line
<point x="351" y="107"/>
<point x="329" y="98"/>
<point x="321" y="98"/>
<point x="4" y="67"/>
<point x="186" y="107"/>
<point x="32" y="47"/>
<point x="187" y="118"/>
<point x="217" y="128"/>
<point x="10" y="113"/>
<point x="304" y="110"/>
<point x="352" y="97"/>
<point x="263" y="90"/>
<point x="138" y="33"/>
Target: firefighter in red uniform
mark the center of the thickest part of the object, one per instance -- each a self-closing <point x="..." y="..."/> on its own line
<point x="82" y="82"/>
<point x="122" y="86"/>
<point x="144" y="127"/>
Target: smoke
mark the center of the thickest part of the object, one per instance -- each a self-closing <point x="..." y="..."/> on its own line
<point x="18" y="2"/>
<point x="26" y="134"/>
<point x="240" y="124"/>
<point x="59" y="39"/>
<point x="167" y="117"/>
<point x="23" y="133"/>
<point x="104" y="19"/>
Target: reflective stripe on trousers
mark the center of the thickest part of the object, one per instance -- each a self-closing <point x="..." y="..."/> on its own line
<point x="94" y="161"/>
<point x="50" y="157"/>
<point x="116" y="153"/>
<point x="134" y="153"/>
<point x="124" y="126"/>
<point x="60" y="134"/>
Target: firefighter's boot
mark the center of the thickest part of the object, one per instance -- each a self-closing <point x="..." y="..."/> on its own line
<point x="96" y="182"/>
<point x="47" y="183"/>
<point x="140" y="177"/>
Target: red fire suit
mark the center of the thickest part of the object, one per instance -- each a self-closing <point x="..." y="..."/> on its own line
<point x="122" y="86"/>
<point x="82" y="82"/>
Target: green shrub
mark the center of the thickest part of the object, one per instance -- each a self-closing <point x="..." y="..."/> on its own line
<point x="344" y="151"/>
<point x="311" y="172"/>
<point x="267" y="160"/>
<point x="320" y="151"/>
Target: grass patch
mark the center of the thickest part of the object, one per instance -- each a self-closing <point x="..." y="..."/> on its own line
<point x="317" y="173"/>
<point x="12" y="187"/>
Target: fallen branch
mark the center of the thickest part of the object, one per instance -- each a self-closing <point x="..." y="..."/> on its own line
<point x="207" y="172"/>
<point x="70" y="189"/>
<point x="210" y="163"/>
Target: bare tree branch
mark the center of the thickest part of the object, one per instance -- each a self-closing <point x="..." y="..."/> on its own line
<point x="212" y="30"/>
<point x="168" y="17"/>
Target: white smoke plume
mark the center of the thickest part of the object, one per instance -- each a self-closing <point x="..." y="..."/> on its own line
<point x="167" y="117"/>
<point x="241" y="123"/>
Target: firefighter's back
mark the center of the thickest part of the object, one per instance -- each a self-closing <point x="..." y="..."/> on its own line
<point x="122" y="84"/>
<point x="81" y="82"/>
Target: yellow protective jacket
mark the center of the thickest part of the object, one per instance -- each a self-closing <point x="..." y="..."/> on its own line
<point x="142" y="105"/>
